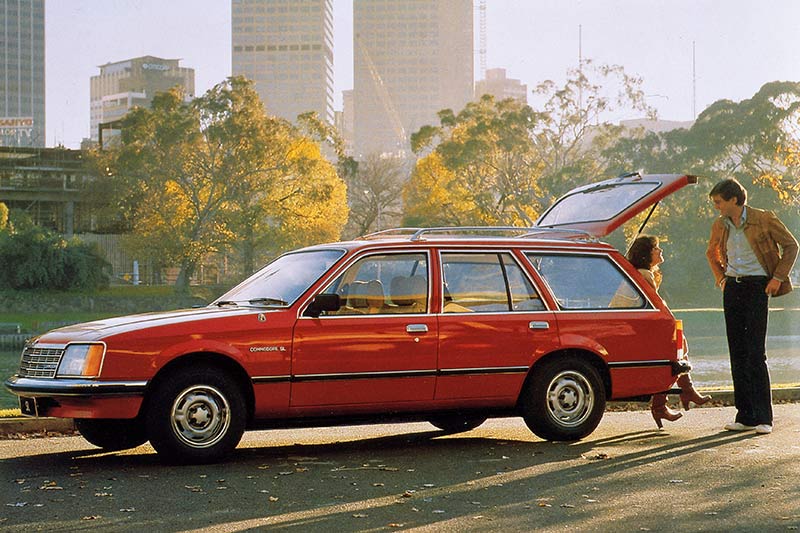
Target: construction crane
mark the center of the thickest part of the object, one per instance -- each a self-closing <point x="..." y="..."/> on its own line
<point x="482" y="36"/>
<point x="383" y="96"/>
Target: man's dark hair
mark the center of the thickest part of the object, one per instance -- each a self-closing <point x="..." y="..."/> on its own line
<point x="728" y="189"/>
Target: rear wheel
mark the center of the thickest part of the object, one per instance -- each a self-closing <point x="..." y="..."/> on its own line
<point x="565" y="400"/>
<point x="197" y="416"/>
<point x="112" y="434"/>
<point x="457" y="423"/>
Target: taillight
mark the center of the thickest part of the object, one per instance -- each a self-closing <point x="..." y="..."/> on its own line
<point x="678" y="337"/>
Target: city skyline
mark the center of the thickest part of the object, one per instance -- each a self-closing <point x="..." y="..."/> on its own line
<point x="738" y="48"/>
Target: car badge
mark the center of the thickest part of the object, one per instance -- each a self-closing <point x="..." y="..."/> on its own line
<point x="262" y="317"/>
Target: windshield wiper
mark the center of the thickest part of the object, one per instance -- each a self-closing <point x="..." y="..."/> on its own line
<point x="226" y="302"/>
<point x="268" y="301"/>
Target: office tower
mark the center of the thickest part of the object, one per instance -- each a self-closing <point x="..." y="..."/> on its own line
<point x="501" y="87"/>
<point x="413" y="58"/>
<point x="22" y="112"/>
<point x="286" y="48"/>
<point x="123" y="85"/>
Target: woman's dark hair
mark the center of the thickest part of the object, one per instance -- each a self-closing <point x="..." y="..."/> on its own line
<point x="728" y="189"/>
<point x="640" y="253"/>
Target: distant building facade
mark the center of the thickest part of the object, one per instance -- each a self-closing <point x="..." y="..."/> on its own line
<point x="49" y="184"/>
<point x="22" y="82"/>
<point x="123" y="85"/>
<point x="498" y="85"/>
<point x="411" y="60"/>
<point x="286" y="48"/>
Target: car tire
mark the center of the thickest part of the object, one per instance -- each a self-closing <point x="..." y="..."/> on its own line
<point x="197" y="416"/>
<point x="564" y="400"/>
<point x="457" y="423"/>
<point x="112" y="434"/>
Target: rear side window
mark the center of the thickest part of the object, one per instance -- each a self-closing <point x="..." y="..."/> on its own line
<point x="486" y="282"/>
<point x="583" y="282"/>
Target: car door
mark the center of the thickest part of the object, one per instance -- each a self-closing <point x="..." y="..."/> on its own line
<point x="599" y="208"/>
<point x="379" y="349"/>
<point x="492" y="326"/>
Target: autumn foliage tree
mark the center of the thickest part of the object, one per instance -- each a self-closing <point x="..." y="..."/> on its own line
<point x="502" y="162"/>
<point x="217" y="173"/>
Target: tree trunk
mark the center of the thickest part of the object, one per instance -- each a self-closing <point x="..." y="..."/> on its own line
<point x="184" y="275"/>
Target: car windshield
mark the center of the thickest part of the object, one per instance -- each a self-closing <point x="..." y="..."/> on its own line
<point x="282" y="281"/>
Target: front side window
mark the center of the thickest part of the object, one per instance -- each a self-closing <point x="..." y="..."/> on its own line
<point x="583" y="282"/>
<point x="486" y="282"/>
<point x="383" y="284"/>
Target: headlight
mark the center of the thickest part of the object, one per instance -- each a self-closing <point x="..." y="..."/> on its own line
<point x="82" y="360"/>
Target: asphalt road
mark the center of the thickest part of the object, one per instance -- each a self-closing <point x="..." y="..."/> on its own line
<point x="499" y="477"/>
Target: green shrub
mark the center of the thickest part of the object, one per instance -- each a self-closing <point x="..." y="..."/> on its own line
<point x="36" y="258"/>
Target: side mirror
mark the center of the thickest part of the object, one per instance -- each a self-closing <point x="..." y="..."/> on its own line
<point x="323" y="302"/>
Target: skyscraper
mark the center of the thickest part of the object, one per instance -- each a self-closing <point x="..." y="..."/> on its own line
<point x="286" y="48"/>
<point x="412" y="58"/>
<point x="22" y="112"/>
<point x="122" y="85"/>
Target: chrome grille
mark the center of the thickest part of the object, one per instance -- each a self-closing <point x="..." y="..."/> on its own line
<point x="40" y="362"/>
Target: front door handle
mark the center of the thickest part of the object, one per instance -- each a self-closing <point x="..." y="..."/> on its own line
<point x="538" y="325"/>
<point x="416" y="328"/>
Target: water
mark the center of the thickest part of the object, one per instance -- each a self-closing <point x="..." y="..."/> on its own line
<point x="704" y="328"/>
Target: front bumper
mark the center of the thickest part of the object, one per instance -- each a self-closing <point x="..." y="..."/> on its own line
<point x="72" y="387"/>
<point x="77" y="398"/>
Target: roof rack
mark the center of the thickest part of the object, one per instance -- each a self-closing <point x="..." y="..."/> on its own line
<point x="417" y="234"/>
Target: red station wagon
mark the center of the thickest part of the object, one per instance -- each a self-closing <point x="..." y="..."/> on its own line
<point x="447" y="325"/>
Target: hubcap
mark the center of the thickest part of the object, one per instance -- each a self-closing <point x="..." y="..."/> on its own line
<point x="200" y="416"/>
<point x="570" y="398"/>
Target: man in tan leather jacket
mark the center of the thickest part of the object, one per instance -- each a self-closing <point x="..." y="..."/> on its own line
<point x="751" y="254"/>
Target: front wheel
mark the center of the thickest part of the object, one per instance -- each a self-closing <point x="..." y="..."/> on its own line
<point x="197" y="416"/>
<point x="112" y="434"/>
<point x="564" y="400"/>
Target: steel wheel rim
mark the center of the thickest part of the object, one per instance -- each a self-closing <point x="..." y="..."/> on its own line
<point x="570" y="398"/>
<point x="200" y="416"/>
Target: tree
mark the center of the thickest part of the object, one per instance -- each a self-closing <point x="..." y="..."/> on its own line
<point x="728" y="139"/>
<point x="216" y="173"/>
<point x="483" y="169"/>
<point x="374" y="194"/>
<point x="510" y="160"/>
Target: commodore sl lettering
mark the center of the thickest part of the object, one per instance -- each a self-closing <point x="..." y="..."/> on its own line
<point x="446" y="325"/>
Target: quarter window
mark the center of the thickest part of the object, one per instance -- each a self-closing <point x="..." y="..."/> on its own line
<point x="486" y="282"/>
<point x="587" y="282"/>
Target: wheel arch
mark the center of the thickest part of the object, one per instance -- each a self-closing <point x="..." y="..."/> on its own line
<point x="590" y="357"/>
<point x="212" y="359"/>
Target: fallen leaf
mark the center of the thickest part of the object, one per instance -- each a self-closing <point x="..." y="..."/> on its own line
<point x="128" y="510"/>
<point x="438" y="511"/>
<point x="18" y="504"/>
<point x="360" y="515"/>
<point x="273" y="498"/>
<point x="567" y="506"/>
<point x="92" y="517"/>
<point x="395" y="524"/>
<point x="676" y="481"/>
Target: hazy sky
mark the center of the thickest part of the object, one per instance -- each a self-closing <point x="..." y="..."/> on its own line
<point x="740" y="45"/>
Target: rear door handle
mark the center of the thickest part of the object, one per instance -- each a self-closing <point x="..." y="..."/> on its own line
<point x="538" y="325"/>
<point x="416" y="328"/>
